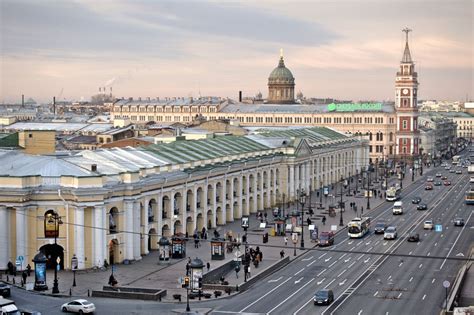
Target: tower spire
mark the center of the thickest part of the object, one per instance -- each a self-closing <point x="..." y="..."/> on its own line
<point x="406" y="54"/>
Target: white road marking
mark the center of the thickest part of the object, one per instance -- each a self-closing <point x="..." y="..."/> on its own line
<point x="367" y="260"/>
<point x="274" y="280"/>
<point x="410" y="253"/>
<point x="429" y="253"/>
<point x="457" y="238"/>
<point x="385" y="243"/>
<point x="360" y="257"/>
<point x="347" y="260"/>
<point x="306" y="259"/>
<point x="399" y="296"/>
<point x="400" y="264"/>
<point x="367" y="243"/>
<point x="411" y="279"/>
<point x="299" y="280"/>
<point x="299" y="271"/>
<point x="434" y="279"/>
<point x="327" y="259"/>
<point x="282" y="302"/>
<point x="342" y="256"/>
<point x="375" y="294"/>
<point x="389" y="277"/>
<point x="322" y="255"/>
<point x="360" y="312"/>
<point x="341" y="273"/>
<point x="321" y="272"/>
<point x="330" y="283"/>
<point x="436" y="244"/>
<point x="343" y="282"/>
<point x="332" y="264"/>
<point x="320" y="281"/>
<point x="351" y="264"/>
<point x="370" y="248"/>
<point x="424" y="296"/>
<point x="311" y="263"/>
<point x="421" y="265"/>
<point x="257" y="300"/>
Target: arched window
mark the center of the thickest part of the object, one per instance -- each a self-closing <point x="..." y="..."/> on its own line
<point x="113" y="216"/>
<point x="51" y="224"/>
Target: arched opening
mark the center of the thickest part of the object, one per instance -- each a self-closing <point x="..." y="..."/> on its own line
<point x="177" y="228"/>
<point x="236" y="210"/>
<point x="200" y="222"/>
<point x="236" y="187"/>
<point x="52" y="252"/>
<point x="190" y="226"/>
<point x="165" y="231"/>
<point x="151" y="210"/>
<point x="219" y="216"/>
<point x="199" y="199"/>
<point x="210" y="219"/>
<point x="189" y="200"/>
<point x="113" y="220"/>
<point x="244" y="185"/>
<point x="210" y="201"/>
<point x="152" y="240"/>
<point x="229" y="214"/>
<point x="166" y="205"/>
<point x="218" y="192"/>
<point x="251" y="205"/>
<point x="178" y="204"/>
<point x="251" y="184"/>
<point x="228" y="191"/>
<point x="113" y="252"/>
<point x="245" y="209"/>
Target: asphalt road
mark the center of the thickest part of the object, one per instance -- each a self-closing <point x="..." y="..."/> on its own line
<point x="368" y="275"/>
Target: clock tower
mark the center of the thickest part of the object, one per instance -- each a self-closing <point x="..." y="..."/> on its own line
<point x="406" y="93"/>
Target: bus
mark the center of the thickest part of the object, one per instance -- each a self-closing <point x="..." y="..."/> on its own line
<point x="469" y="199"/>
<point x="358" y="227"/>
<point x="456" y="159"/>
<point x="393" y="193"/>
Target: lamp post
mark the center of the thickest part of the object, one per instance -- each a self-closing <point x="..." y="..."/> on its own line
<point x="368" y="189"/>
<point x="357" y="181"/>
<point x="245" y="225"/>
<point x="294" y="238"/>
<point x="302" y="200"/>
<point x="321" y="195"/>
<point x="341" y="222"/>
<point x="54" y="217"/>
<point x="74" y="263"/>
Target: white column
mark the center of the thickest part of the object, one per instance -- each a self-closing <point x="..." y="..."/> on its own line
<point x="184" y="209"/>
<point x="99" y="235"/>
<point x="214" y="205"/>
<point x="79" y="237"/>
<point x="291" y="182"/>
<point x="144" y="219"/>
<point x="239" y="195"/>
<point x="297" y="179"/>
<point x="4" y="237"/>
<point x="136" y="231"/>
<point x="129" y="220"/>
<point x="254" y="193"/>
<point x="246" y="190"/>
<point x="261" y="205"/>
<point x="231" y="198"/>
<point x="307" y="176"/>
<point x="21" y="233"/>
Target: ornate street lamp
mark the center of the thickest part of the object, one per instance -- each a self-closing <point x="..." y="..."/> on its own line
<point x="74" y="264"/>
<point x="341" y="222"/>
<point x="302" y="200"/>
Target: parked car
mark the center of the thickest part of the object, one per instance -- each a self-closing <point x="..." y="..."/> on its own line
<point x="323" y="297"/>
<point x="428" y="225"/>
<point x="458" y="222"/>
<point x="390" y="233"/>
<point x="429" y="187"/>
<point x="380" y="227"/>
<point x="80" y="306"/>
<point x="5" y="290"/>
<point x="416" y="200"/>
<point x="326" y="239"/>
<point x="422" y="206"/>
<point x="413" y="237"/>
<point x="447" y="183"/>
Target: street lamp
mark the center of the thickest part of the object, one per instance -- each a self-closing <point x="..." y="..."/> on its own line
<point x="294" y="238"/>
<point x="54" y="218"/>
<point x="74" y="264"/>
<point x="341" y="222"/>
<point x="245" y="225"/>
<point x="368" y="189"/>
<point x="321" y="195"/>
<point x="302" y="200"/>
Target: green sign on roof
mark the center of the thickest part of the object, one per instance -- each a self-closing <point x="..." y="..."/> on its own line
<point x="352" y="107"/>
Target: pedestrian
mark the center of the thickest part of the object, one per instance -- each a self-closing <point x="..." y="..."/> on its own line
<point x="28" y="270"/>
<point x="324" y="220"/>
<point x="237" y="269"/>
<point x="286" y="240"/>
<point x="24" y="275"/>
<point x="282" y="253"/>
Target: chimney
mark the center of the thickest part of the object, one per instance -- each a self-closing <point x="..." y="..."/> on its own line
<point x="54" y="105"/>
<point x="22" y="100"/>
<point x="240" y="96"/>
<point x="94" y="167"/>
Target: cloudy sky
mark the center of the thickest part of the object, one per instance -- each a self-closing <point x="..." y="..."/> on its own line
<point x="347" y="49"/>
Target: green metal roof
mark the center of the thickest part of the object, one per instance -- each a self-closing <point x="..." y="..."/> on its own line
<point x="316" y="134"/>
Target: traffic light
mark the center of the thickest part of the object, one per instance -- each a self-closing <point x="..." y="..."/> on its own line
<point x="200" y="283"/>
<point x="186" y="282"/>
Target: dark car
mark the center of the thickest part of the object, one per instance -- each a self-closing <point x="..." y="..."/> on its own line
<point x="380" y="227"/>
<point x="5" y="290"/>
<point x="437" y="183"/>
<point x="429" y="187"/>
<point x="422" y="206"/>
<point x="459" y="222"/>
<point x="416" y="200"/>
<point x="414" y="237"/>
<point x="447" y="183"/>
<point x="444" y="178"/>
<point x="323" y="297"/>
<point x="326" y="239"/>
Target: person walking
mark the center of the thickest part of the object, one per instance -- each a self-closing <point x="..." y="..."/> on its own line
<point x="237" y="269"/>
<point x="208" y="265"/>
<point x="286" y="240"/>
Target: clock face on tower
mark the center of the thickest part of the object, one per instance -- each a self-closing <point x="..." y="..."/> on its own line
<point x="405" y="91"/>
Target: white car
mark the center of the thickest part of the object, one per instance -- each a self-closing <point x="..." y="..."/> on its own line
<point x="428" y="225"/>
<point x="78" y="306"/>
<point x="390" y="233"/>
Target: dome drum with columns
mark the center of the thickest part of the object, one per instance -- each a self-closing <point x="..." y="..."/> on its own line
<point x="281" y="85"/>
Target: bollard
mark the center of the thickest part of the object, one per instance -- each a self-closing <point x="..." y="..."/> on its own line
<point x="21" y="283"/>
<point x="88" y="293"/>
<point x="70" y="292"/>
<point x="13" y="280"/>
<point x="8" y="279"/>
<point x="237" y="288"/>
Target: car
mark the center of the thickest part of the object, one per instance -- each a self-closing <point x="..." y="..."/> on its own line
<point x="323" y="297"/>
<point x="429" y="187"/>
<point x="428" y="225"/>
<point x="452" y="171"/>
<point x="447" y="168"/>
<point x="422" y="206"/>
<point x="458" y="222"/>
<point x="443" y="164"/>
<point x="447" y="183"/>
<point x="326" y="239"/>
<point x="444" y="177"/>
<point x="5" y="290"/>
<point x="416" y="200"/>
<point x="458" y="171"/>
<point x="413" y="237"/>
<point x="438" y="174"/>
<point x="80" y="306"/>
<point x="430" y="179"/>
<point x="437" y="183"/>
<point x="390" y="233"/>
<point x="380" y="227"/>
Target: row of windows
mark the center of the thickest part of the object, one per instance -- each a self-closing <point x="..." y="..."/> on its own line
<point x="168" y="109"/>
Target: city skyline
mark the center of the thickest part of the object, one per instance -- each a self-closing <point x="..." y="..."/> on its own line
<point x="150" y="49"/>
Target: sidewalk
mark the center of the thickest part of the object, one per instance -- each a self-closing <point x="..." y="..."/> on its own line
<point x="150" y="273"/>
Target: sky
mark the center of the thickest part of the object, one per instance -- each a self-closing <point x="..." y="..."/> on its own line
<point x="345" y="49"/>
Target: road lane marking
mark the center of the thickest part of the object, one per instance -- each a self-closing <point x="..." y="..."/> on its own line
<point x="360" y="312"/>
<point x="311" y="263"/>
<point x="424" y="296"/>
<point x="375" y="294"/>
<point x="389" y="277"/>
<point x="351" y="264"/>
<point x="410" y="253"/>
<point x="321" y="272"/>
<point x="274" y="280"/>
<point x="436" y="244"/>
<point x="360" y="257"/>
<point x="299" y="271"/>
<point x="330" y="283"/>
<point x="332" y="264"/>
<point x="299" y="280"/>
<point x="322" y="255"/>
<point x="341" y="273"/>
<point x="399" y="295"/>
<point x="400" y="264"/>
<point x="411" y="279"/>
<point x="306" y="259"/>
<point x="370" y="248"/>
<point x="367" y="260"/>
<point x="434" y="279"/>
<point x="282" y="302"/>
<point x="321" y="281"/>
<point x="429" y="253"/>
<point x="457" y="238"/>
<point x="347" y="260"/>
<point x="343" y="282"/>
<point x="260" y="298"/>
<point x="421" y="265"/>
<point x="327" y="259"/>
<point x="342" y="256"/>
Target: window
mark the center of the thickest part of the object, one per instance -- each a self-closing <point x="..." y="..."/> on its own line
<point x="30" y="135"/>
<point x="370" y="148"/>
<point x="404" y="124"/>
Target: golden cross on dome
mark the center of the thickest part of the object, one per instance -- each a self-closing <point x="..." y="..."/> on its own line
<point x="281" y="52"/>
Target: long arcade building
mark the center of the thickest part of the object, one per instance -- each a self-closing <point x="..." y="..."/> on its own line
<point x="115" y="204"/>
